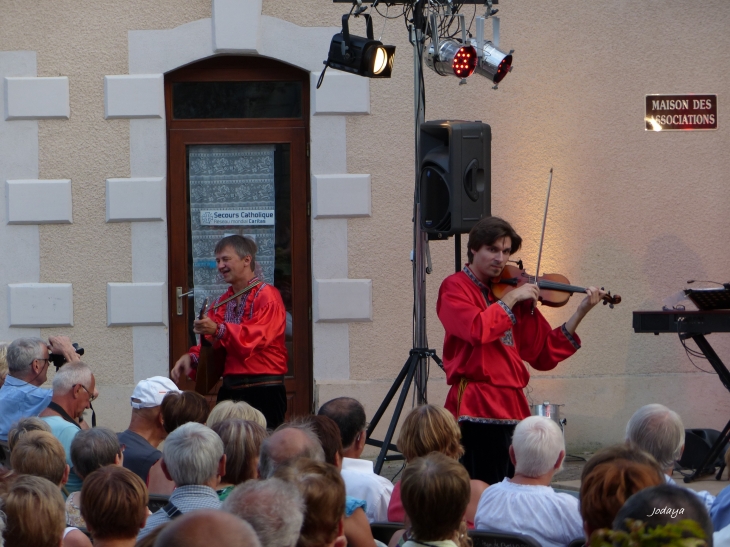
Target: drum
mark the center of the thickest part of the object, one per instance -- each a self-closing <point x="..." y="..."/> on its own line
<point x="549" y="411"/>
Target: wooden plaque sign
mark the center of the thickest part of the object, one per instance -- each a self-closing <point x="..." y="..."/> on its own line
<point x="680" y="112"/>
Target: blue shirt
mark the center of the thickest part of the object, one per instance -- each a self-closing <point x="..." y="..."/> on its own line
<point x="19" y="399"/>
<point x="720" y="511"/>
<point x="65" y="432"/>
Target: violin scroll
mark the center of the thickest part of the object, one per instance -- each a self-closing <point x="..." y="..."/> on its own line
<point x="610" y="299"/>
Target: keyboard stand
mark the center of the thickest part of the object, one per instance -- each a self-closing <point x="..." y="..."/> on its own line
<point x="724" y="375"/>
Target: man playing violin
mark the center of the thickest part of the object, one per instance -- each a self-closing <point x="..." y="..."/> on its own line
<point x="486" y="342"/>
<point x="248" y="321"/>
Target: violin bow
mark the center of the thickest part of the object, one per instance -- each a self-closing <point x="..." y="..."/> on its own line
<point x="542" y="235"/>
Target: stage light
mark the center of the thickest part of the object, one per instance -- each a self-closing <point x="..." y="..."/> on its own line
<point x="493" y="63"/>
<point x="451" y="58"/>
<point x="357" y="55"/>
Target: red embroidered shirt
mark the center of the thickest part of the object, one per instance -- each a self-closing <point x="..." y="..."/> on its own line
<point x="485" y="345"/>
<point x="252" y="333"/>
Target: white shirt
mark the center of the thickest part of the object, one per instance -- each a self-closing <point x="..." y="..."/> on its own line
<point x="552" y="519"/>
<point x="704" y="495"/>
<point x="362" y="483"/>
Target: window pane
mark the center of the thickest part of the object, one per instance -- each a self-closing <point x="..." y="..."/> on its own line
<point x="227" y="183"/>
<point x="206" y="100"/>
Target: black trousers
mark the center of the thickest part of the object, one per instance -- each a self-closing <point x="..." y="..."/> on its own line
<point x="486" y="451"/>
<point x="270" y="400"/>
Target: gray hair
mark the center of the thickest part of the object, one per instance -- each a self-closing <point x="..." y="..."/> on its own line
<point x="275" y="509"/>
<point x="270" y="458"/>
<point x="92" y="449"/>
<point x="70" y="375"/>
<point x="659" y="431"/>
<point x="537" y="443"/>
<point x="192" y="453"/>
<point x="21" y="354"/>
<point x="242" y="246"/>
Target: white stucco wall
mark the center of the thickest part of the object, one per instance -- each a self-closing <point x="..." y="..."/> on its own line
<point x="634" y="211"/>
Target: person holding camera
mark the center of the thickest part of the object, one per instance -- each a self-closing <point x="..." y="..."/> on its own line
<point x="28" y="360"/>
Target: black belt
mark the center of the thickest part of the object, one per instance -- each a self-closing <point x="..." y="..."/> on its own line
<point x="243" y="381"/>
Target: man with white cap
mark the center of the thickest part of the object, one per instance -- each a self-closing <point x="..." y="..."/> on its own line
<point x="146" y="431"/>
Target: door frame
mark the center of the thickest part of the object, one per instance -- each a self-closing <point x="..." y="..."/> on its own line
<point x="295" y="131"/>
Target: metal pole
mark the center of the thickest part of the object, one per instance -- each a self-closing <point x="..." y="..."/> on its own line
<point x="420" y="236"/>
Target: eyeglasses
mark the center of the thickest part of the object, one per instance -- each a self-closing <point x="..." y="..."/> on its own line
<point x="48" y="361"/>
<point x="92" y="397"/>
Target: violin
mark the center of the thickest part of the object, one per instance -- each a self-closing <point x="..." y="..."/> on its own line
<point x="555" y="289"/>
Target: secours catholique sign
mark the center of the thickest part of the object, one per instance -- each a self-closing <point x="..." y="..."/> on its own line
<point x="680" y="112"/>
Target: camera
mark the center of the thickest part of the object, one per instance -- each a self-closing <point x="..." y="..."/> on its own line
<point x="59" y="360"/>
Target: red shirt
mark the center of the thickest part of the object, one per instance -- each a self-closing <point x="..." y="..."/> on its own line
<point x="252" y="334"/>
<point x="485" y="345"/>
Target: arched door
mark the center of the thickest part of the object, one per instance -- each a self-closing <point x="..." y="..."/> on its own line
<point x="238" y="164"/>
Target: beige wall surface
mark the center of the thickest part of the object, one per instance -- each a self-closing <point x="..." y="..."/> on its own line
<point x="86" y="41"/>
<point x="637" y="212"/>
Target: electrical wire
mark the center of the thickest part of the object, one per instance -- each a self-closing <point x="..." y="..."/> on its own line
<point x="694" y="353"/>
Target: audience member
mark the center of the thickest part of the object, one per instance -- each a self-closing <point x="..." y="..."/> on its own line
<point x="241" y="442"/>
<point x="208" y="529"/>
<point x="193" y="459"/>
<point x="526" y="503"/>
<point x="21" y="394"/>
<point x="114" y="506"/>
<point x="665" y="504"/>
<point x="3" y="364"/>
<point x="288" y="443"/>
<point x="74" y="388"/>
<point x="435" y="491"/>
<point x="426" y="429"/>
<point x="238" y="410"/>
<point x="605" y="489"/>
<point x="720" y="510"/>
<point x="91" y="449"/>
<point x="323" y="491"/>
<point x="149" y="539"/>
<point x="34" y="513"/>
<point x="23" y="426"/>
<point x="41" y="454"/>
<point x="273" y="507"/>
<point x="357" y="527"/>
<point x="660" y="432"/>
<point x="177" y="408"/>
<point x="360" y="480"/>
<point x="181" y="407"/>
<point x="620" y="452"/>
<point x="146" y="432"/>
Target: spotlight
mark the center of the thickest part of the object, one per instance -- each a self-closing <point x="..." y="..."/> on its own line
<point x="362" y="56"/>
<point x="451" y="58"/>
<point x="494" y="63"/>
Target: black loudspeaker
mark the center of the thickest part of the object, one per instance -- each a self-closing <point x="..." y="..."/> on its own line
<point x="697" y="445"/>
<point x="456" y="176"/>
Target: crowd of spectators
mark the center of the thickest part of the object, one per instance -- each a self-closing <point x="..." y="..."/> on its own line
<point x="220" y="478"/>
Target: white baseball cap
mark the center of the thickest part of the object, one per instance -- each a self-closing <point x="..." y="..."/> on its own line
<point x="150" y="392"/>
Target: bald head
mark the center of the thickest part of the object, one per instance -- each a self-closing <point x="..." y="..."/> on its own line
<point x="287" y="444"/>
<point x="207" y="528"/>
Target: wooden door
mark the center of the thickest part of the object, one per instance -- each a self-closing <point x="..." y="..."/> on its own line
<point x="237" y="139"/>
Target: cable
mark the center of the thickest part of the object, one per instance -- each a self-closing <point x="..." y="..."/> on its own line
<point x="693" y="352"/>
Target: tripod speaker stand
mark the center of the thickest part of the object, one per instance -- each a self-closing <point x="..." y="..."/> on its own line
<point x="405" y="377"/>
